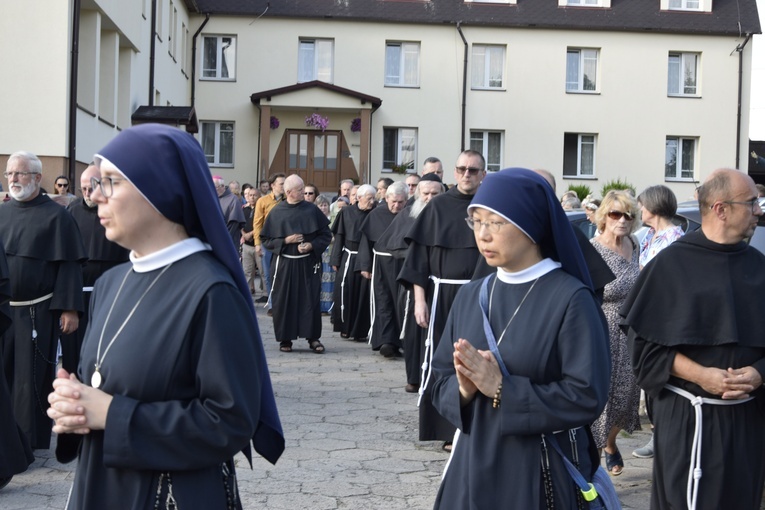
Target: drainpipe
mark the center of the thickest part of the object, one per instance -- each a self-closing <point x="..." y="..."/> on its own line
<point x="740" y="50"/>
<point x="73" y="74"/>
<point x="464" y="85"/>
<point x="152" y="50"/>
<point x="194" y="59"/>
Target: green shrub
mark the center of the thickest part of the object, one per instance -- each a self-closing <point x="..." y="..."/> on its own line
<point x="581" y="190"/>
<point x="618" y="184"/>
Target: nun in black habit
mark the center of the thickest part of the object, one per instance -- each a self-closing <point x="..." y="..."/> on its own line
<point x="524" y="354"/>
<point x="175" y="381"/>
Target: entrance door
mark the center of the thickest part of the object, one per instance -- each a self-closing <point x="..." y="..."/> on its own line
<point x="313" y="155"/>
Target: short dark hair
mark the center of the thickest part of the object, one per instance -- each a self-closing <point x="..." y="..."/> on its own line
<point x="273" y="178"/>
<point x="715" y="187"/>
<point x="387" y="180"/>
<point x="263" y="181"/>
<point x="471" y="152"/>
<point x="431" y="159"/>
<point x="659" y="200"/>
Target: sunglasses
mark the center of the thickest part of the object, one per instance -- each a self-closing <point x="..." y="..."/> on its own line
<point x="617" y="215"/>
<point x="308" y="193"/>
<point x="62" y="185"/>
<point x="471" y="170"/>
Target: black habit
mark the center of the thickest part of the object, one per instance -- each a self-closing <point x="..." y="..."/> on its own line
<point x="443" y="246"/>
<point x="699" y="298"/>
<point x="384" y="292"/>
<point x="296" y="284"/>
<point x="102" y="256"/>
<point x="15" y="453"/>
<point x="45" y="256"/>
<point x="350" y="313"/>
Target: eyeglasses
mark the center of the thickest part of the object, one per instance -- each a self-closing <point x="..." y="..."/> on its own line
<point x="412" y="185"/>
<point x="617" y="215"/>
<point x="10" y="175"/>
<point x="492" y="226"/>
<point x="753" y="204"/>
<point x="308" y="193"/>
<point x="471" y="170"/>
<point x="62" y="185"/>
<point x="106" y="184"/>
<point x="86" y="190"/>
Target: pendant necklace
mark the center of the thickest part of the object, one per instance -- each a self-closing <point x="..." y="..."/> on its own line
<point x="491" y="297"/>
<point x="96" y="379"/>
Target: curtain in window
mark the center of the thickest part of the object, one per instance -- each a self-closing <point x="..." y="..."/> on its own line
<point x="478" y="66"/>
<point x="494" y="152"/>
<point x="689" y="74"/>
<point x="572" y="70"/>
<point x="324" y="61"/>
<point x="673" y="74"/>
<point x="496" y="59"/>
<point x="226" y="152"/>
<point x="208" y="141"/>
<point x="228" y="57"/>
<point x="209" y="60"/>
<point x="408" y="146"/>
<point x="670" y="158"/>
<point x="589" y="69"/>
<point x="587" y="155"/>
<point x="392" y="64"/>
<point x="306" y="61"/>
<point x="411" y="64"/>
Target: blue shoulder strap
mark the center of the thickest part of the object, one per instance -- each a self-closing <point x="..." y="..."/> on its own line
<point x="483" y="301"/>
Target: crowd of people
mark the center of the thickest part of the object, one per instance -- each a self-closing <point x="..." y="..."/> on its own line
<point x="526" y="341"/>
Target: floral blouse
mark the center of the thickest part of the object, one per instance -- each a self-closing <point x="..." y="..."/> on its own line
<point x="654" y="242"/>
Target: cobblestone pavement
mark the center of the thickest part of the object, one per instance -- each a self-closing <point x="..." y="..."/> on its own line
<point x="351" y="434"/>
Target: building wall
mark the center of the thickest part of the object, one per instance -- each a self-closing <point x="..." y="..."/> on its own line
<point x="631" y="113"/>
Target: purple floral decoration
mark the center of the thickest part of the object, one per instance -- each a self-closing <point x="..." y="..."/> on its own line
<point x="356" y="125"/>
<point x="274" y="122"/>
<point x="317" y="121"/>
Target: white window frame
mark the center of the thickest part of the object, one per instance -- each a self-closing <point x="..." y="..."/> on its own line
<point x="172" y="33"/>
<point x="221" y="128"/>
<point x="408" y="54"/>
<point x="160" y="12"/>
<point x="403" y="155"/>
<point x="676" y="173"/>
<point x="685" y="5"/>
<point x="314" y="51"/>
<point x="583" y="56"/>
<point x="482" y="141"/>
<point x="184" y="44"/>
<point x="510" y="2"/>
<point x="583" y="142"/>
<point x="582" y="3"/>
<point x="483" y="55"/>
<point x="685" y="57"/>
<point x="219" y="58"/>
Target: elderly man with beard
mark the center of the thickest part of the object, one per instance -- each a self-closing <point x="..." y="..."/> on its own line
<point x="393" y="241"/>
<point x="379" y="267"/>
<point x="350" y="314"/>
<point x="442" y="257"/>
<point x="102" y="256"/>
<point x="231" y="206"/>
<point x="45" y="256"/>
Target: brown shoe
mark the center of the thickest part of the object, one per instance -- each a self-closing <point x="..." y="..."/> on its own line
<point x="412" y="388"/>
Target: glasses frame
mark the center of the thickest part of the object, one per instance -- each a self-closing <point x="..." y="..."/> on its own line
<point x="106" y="184"/>
<point x="753" y="204"/>
<point x="9" y="175"/>
<point x="617" y="215"/>
<point x="471" y="170"/>
<point x="493" y="227"/>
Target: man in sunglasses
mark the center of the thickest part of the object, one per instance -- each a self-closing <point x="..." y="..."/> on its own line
<point x="695" y="331"/>
<point x="45" y="257"/>
<point x="442" y="256"/>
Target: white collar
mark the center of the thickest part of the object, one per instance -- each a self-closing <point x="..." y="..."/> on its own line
<point x="165" y="256"/>
<point x="541" y="268"/>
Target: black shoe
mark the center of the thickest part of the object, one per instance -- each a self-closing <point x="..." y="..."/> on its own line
<point x="389" y="350"/>
<point x="270" y="312"/>
<point x="412" y="388"/>
<point x="262" y="299"/>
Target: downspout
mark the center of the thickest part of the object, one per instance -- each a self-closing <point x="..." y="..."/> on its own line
<point x="194" y="62"/>
<point x="369" y="157"/>
<point x="260" y="131"/>
<point x="464" y="85"/>
<point x="73" y="74"/>
<point x="740" y="50"/>
<point x="152" y="50"/>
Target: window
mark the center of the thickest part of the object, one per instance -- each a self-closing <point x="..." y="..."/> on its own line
<point x="581" y="70"/>
<point x="218" y="143"/>
<point x="685" y="5"/>
<point x="171" y="31"/>
<point x="682" y="74"/>
<point x="219" y="57"/>
<point x="315" y="60"/>
<point x="680" y="158"/>
<point x="184" y="44"/>
<point x="399" y="148"/>
<point x="578" y="155"/>
<point x="160" y="11"/>
<point x="492" y="1"/>
<point x="402" y="64"/>
<point x="488" y="143"/>
<point x="595" y="3"/>
<point x="488" y="66"/>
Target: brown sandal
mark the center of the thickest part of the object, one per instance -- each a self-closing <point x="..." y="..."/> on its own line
<point x="285" y="346"/>
<point x="316" y="346"/>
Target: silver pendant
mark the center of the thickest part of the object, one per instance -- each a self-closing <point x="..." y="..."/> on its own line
<point x="95" y="379"/>
<point x="34" y="334"/>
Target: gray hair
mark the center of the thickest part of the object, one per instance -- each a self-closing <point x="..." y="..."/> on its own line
<point x="32" y="162"/>
<point x="364" y="190"/>
<point x="397" y="188"/>
<point x="659" y="200"/>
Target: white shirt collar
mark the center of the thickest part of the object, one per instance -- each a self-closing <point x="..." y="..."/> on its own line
<point x="165" y="256"/>
<point x="530" y="273"/>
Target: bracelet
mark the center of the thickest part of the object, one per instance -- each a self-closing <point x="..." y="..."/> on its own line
<point x="497" y="397"/>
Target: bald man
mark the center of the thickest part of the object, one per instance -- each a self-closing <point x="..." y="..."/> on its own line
<point x="695" y="329"/>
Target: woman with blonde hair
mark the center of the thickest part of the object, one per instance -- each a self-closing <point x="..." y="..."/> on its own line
<point x="616" y="219"/>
